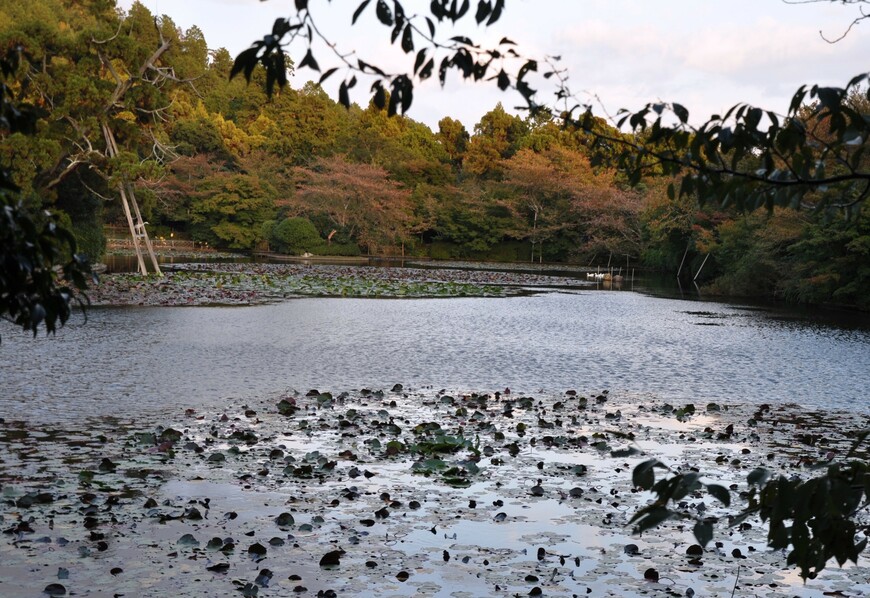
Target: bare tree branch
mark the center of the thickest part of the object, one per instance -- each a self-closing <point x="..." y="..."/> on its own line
<point x="856" y="21"/>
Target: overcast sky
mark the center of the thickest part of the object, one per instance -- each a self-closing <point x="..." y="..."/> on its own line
<point x="706" y="54"/>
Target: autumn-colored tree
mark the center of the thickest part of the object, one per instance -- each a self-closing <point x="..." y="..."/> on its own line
<point x="556" y="191"/>
<point x="612" y="222"/>
<point x="538" y="193"/>
<point x="361" y="199"/>
<point x="454" y="138"/>
<point x="496" y="138"/>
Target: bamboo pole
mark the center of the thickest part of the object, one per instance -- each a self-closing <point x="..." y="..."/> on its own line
<point x="701" y="268"/>
<point x="112" y="151"/>
<point x="134" y="216"/>
<point x="144" y="232"/>
<point x="683" y="261"/>
<point x="142" y="269"/>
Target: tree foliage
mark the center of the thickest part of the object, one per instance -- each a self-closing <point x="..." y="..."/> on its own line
<point x="815" y="156"/>
<point x="816" y="519"/>
<point x="295" y="236"/>
<point x="360" y="199"/>
<point x="791" y="165"/>
<point x="33" y="293"/>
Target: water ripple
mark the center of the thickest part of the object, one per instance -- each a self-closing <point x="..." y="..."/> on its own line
<point x="139" y="361"/>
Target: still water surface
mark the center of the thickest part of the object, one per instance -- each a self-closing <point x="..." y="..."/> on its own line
<point x="135" y="362"/>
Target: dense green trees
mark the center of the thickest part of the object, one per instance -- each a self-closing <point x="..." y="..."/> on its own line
<point x="215" y="158"/>
<point x="360" y="200"/>
<point x="295" y="236"/>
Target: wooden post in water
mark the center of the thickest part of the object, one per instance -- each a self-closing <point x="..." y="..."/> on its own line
<point x="131" y="210"/>
<point x="683" y="261"/>
<point x="701" y="268"/>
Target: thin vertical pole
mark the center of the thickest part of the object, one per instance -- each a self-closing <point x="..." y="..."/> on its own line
<point x="701" y="268"/>
<point x="143" y="232"/>
<point x="680" y="269"/>
<point x="134" y="216"/>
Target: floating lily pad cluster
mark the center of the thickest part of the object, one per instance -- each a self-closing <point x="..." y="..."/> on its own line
<point x="398" y="492"/>
<point x="245" y="284"/>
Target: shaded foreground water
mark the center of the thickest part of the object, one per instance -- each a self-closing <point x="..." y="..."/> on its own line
<point x="398" y="494"/>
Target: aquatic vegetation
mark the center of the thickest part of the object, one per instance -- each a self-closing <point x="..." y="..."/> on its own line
<point x="398" y="492"/>
<point x="245" y="284"/>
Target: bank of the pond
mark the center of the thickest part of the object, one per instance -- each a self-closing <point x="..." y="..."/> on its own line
<point x="399" y="493"/>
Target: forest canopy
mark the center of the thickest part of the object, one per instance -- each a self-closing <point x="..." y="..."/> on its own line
<point x="217" y="160"/>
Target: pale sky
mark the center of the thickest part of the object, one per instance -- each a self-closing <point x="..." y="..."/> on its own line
<point x="705" y="54"/>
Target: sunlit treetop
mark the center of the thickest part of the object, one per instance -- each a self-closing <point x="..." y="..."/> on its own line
<point x="814" y="156"/>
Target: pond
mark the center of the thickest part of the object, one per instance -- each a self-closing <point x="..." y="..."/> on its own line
<point x="161" y="451"/>
<point x="136" y="362"/>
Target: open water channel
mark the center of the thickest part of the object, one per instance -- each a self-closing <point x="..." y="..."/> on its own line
<point x="136" y="362"/>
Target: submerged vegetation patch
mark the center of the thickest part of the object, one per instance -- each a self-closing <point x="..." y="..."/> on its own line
<point x="401" y="493"/>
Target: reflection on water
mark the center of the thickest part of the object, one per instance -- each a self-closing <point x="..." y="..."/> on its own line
<point x="131" y="361"/>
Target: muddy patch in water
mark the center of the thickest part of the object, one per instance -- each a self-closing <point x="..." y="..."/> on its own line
<point x="399" y="493"/>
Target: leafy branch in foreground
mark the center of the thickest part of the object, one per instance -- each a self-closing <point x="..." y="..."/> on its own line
<point x="418" y="38"/>
<point x="815" y="156"/>
<point x="674" y="488"/>
<point x="32" y="246"/>
<point x="818" y="519"/>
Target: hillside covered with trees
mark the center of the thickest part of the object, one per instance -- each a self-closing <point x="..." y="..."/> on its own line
<point x="221" y="162"/>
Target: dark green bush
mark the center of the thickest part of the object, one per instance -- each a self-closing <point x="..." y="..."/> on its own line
<point x="295" y="236"/>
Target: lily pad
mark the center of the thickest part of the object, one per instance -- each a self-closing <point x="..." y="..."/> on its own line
<point x="332" y="558"/>
<point x="54" y="589"/>
<point x="285" y="520"/>
<point x="188" y="540"/>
